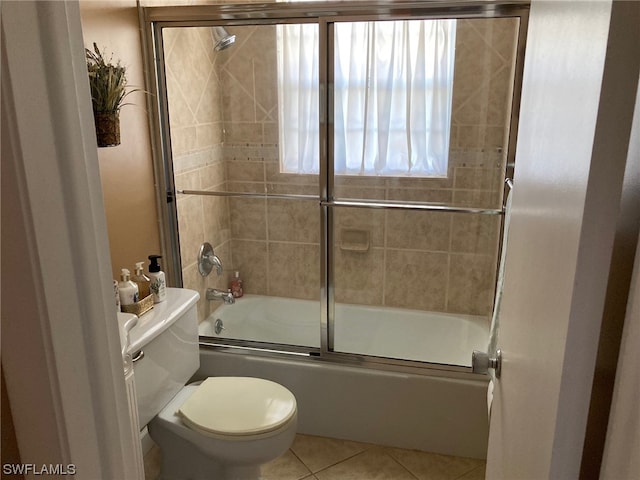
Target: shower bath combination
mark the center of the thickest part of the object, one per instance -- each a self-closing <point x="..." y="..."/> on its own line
<point x="432" y="242"/>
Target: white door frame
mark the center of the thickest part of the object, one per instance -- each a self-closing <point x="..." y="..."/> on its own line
<point x="60" y="340"/>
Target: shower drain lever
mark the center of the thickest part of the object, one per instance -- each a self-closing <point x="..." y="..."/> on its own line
<point x="218" y="326"/>
<point x="481" y="362"/>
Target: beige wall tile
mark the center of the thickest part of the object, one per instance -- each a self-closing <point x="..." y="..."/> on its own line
<point x="237" y="102"/>
<point x="190" y="225"/>
<point x="289" y="189"/>
<point x="241" y="171"/>
<point x="245" y="187"/>
<point x="248" y="218"/>
<point x="359" y="193"/>
<point x="209" y="108"/>
<point x="358" y="276"/>
<point x="213" y="176"/>
<point x="357" y="181"/>
<point x="294" y="270"/>
<point x="471" y="284"/>
<point x="477" y="198"/>
<point x="188" y="180"/>
<point x="180" y="114"/>
<point x="217" y="226"/>
<point x="246" y="132"/>
<point x="270" y="132"/>
<point x="183" y="140"/>
<point x="190" y="161"/>
<point x="293" y="220"/>
<point x="416" y="280"/>
<point x="475" y="233"/>
<point x="208" y="134"/>
<point x="423" y="183"/>
<point x="419" y="195"/>
<point x="250" y="259"/>
<point x="469" y="178"/>
<point x="418" y="230"/>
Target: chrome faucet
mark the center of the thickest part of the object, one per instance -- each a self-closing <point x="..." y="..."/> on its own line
<point x="215" y="261"/>
<point x="215" y="294"/>
<point x="207" y="260"/>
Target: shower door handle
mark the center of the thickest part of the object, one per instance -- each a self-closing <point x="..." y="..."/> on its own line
<point x="481" y="362"/>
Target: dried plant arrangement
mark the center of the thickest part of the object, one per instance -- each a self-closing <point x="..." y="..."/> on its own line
<point x="108" y="84"/>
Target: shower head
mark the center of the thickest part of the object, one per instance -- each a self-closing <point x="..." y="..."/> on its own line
<point x="222" y="39"/>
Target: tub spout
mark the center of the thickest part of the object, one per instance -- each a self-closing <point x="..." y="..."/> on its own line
<point x="215" y="294"/>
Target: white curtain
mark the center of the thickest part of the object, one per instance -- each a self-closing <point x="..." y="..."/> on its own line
<point x="298" y="104"/>
<point x="393" y="85"/>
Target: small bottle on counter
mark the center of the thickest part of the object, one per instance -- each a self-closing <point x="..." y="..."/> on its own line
<point x="117" y="294"/>
<point x="236" y="286"/>
<point x="127" y="289"/>
<point x="143" y="282"/>
<point x="156" y="275"/>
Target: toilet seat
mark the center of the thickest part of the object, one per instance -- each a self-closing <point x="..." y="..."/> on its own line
<point x="238" y="407"/>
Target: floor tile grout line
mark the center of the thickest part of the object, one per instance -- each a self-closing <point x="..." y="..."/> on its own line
<point x="469" y="471"/>
<point x="336" y="463"/>
<point x="305" y="465"/>
<point x="388" y="454"/>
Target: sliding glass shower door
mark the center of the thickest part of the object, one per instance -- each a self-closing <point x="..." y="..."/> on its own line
<point x="350" y="165"/>
<point x="419" y="140"/>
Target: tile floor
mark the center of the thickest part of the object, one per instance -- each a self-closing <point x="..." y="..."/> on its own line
<point x="320" y="458"/>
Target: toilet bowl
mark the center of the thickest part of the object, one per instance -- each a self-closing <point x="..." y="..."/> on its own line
<point x="239" y="438"/>
<point x="222" y="427"/>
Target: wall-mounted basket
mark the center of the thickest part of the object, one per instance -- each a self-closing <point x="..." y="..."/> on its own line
<point x="107" y="129"/>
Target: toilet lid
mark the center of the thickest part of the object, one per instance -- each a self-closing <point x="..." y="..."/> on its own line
<point x="238" y="406"/>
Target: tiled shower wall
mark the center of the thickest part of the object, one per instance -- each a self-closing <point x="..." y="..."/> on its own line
<point x="426" y="260"/>
<point x="195" y="115"/>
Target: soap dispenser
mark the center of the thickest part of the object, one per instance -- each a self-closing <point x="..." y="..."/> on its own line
<point x="143" y="282"/>
<point x="156" y="275"/>
<point x="127" y="289"/>
<point x="236" y="286"/>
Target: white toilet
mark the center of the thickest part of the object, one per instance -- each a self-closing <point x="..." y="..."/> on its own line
<point x="223" y="428"/>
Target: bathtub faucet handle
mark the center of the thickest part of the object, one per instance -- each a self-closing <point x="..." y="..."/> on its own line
<point x="207" y="260"/>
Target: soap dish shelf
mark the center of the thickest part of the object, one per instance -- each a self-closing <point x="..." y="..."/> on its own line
<point x="353" y="240"/>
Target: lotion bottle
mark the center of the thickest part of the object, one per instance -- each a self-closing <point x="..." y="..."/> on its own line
<point x="127" y="289"/>
<point x="156" y="275"/>
<point x="143" y="282"/>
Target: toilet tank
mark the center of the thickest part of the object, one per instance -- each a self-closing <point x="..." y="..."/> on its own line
<point x="164" y="346"/>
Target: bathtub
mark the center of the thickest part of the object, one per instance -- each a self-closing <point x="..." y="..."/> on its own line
<point x="378" y="331"/>
<point x="430" y="410"/>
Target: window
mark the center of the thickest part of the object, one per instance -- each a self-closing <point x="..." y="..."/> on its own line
<point x="393" y="85"/>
